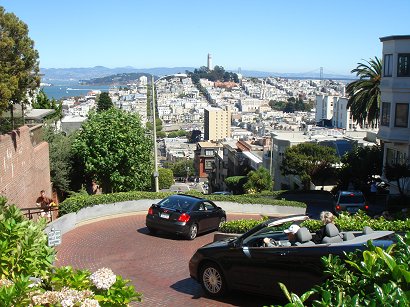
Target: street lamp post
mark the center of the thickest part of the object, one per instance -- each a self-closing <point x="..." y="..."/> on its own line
<point x="154" y="126"/>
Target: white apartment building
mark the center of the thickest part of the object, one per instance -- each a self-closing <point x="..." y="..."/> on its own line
<point x="394" y="129"/>
<point x="324" y="108"/>
<point x="341" y="114"/>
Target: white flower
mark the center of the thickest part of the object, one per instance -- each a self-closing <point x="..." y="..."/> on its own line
<point x="90" y="303"/>
<point x="103" y="278"/>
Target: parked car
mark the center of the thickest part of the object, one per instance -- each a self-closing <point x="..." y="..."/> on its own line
<point x="245" y="263"/>
<point x="350" y="201"/>
<point x="184" y="215"/>
<point x="222" y="193"/>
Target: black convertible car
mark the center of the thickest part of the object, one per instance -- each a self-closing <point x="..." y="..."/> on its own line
<point x="184" y="215"/>
<point x="246" y="263"/>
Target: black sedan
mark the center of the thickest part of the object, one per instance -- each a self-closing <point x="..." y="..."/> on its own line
<point x="184" y="215"/>
<point x="248" y="263"/>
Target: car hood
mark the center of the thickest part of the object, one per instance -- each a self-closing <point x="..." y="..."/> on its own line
<point x="218" y="244"/>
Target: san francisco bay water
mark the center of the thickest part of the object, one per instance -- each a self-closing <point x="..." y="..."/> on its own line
<point x="64" y="91"/>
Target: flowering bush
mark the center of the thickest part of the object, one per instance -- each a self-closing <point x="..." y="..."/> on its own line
<point x="28" y="277"/>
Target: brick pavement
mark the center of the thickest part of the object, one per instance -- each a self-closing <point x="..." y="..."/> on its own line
<point x="156" y="265"/>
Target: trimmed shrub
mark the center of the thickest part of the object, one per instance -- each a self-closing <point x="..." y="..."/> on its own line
<point x="76" y="203"/>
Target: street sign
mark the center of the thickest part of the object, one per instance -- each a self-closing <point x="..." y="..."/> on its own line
<point x="54" y="237"/>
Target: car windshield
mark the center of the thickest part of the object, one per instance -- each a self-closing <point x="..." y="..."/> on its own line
<point x="267" y="231"/>
<point x="351" y="199"/>
<point x="176" y="203"/>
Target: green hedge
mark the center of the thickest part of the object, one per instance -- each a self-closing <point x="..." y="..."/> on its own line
<point x="75" y="203"/>
<point x="344" y="221"/>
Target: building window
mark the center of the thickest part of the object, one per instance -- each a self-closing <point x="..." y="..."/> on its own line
<point x="388" y="65"/>
<point x="402" y="115"/>
<point x="395" y="156"/>
<point x="209" y="152"/>
<point x="403" y="67"/>
<point x="209" y="164"/>
<point x="385" y="118"/>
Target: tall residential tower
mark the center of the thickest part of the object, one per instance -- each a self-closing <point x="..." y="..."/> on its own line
<point x="217" y="124"/>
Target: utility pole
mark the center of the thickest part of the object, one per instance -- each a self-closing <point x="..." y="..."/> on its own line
<point x="154" y="134"/>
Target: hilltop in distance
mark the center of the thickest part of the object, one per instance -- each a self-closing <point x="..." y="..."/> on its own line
<point x="74" y="75"/>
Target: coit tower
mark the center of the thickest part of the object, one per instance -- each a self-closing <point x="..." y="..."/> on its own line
<point x="209" y="61"/>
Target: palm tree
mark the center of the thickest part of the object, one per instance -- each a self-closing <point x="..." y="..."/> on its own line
<point x="364" y="93"/>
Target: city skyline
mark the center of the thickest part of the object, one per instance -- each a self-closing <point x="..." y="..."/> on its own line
<point x="263" y="35"/>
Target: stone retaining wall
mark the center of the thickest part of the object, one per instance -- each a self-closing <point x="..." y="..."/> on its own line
<point x="72" y="220"/>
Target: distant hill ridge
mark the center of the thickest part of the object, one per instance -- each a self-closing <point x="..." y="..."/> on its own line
<point x="118" y="79"/>
<point x="55" y="75"/>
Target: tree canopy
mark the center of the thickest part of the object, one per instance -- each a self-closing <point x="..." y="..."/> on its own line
<point x="116" y="151"/>
<point x="104" y="102"/>
<point x="19" y="65"/>
<point x="258" y="181"/>
<point x="364" y="93"/>
<point x="360" y="165"/>
<point x="308" y="160"/>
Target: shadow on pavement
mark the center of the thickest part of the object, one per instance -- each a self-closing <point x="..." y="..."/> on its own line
<point x="235" y="298"/>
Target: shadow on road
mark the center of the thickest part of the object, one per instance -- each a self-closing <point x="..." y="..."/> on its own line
<point x="235" y="298"/>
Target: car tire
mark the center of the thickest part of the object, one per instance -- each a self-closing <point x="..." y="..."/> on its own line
<point x="222" y="220"/>
<point x="192" y="232"/>
<point x="212" y="280"/>
<point x="152" y="230"/>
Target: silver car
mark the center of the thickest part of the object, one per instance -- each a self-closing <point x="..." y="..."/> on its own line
<point x="350" y="201"/>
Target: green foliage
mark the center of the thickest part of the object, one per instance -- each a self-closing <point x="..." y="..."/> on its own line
<point x="61" y="157"/>
<point x="182" y="167"/>
<point x="166" y="178"/>
<point x="374" y="277"/>
<point x="19" y="65"/>
<point x="175" y="134"/>
<point x="104" y="102"/>
<point x="76" y="203"/>
<point x="240" y="226"/>
<point x="120" y="293"/>
<point x="308" y="161"/>
<point x="115" y="151"/>
<point x="364" y="93"/>
<point x="259" y="180"/>
<point x="236" y="183"/>
<point x="360" y="165"/>
<point x="23" y="245"/>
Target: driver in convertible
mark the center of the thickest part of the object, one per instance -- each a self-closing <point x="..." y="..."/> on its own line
<point x="291" y="233"/>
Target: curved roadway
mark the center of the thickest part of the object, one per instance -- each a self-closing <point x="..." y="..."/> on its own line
<point x="156" y="265"/>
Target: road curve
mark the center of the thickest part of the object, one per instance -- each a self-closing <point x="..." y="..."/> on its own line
<point x="156" y="265"/>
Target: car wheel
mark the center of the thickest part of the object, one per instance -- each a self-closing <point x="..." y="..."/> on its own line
<point x="221" y="221"/>
<point x="212" y="280"/>
<point x="193" y="231"/>
<point x="152" y="230"/>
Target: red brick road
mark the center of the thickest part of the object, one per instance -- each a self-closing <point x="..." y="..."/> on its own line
<point x="156" y="265"/>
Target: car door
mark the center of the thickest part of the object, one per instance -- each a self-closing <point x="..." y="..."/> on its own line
<point x="258" y="269"/>
<point x="213" y="215"/>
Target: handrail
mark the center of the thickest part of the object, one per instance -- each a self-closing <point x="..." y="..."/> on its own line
<point x="36" y="211"/>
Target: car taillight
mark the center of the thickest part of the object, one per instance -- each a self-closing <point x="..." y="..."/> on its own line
<point x="366" y="207"/>
<point x="338" y="208"/>
<point x="184" y="217"/>
<point x="150" y="211"/>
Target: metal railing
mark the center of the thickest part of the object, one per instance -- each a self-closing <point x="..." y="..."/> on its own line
<point x="36" y="212"/>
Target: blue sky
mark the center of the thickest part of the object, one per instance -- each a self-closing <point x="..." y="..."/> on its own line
<point x="265" y="35"/>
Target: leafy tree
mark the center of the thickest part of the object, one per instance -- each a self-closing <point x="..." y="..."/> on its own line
<point x="195" y="136"/>
<point x="258" y="181"/>
<point x="115" y="151"/>
<point x="289" y="107"/>
<point x="19" y="65"/>
<point x="104" y="102"/>
<point x="43" y="102"/>
<point x="307" y="160"/>
<point x="400" y="173"/>
<point x="236" y="184"/>
<point x="181" y="168"/>
<point x="364" y="93"/>
<point x="360" y="165"/>
<point x="166" y="178"/>
<point x="61" y="158"/>
<point x="175" y="134"/>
